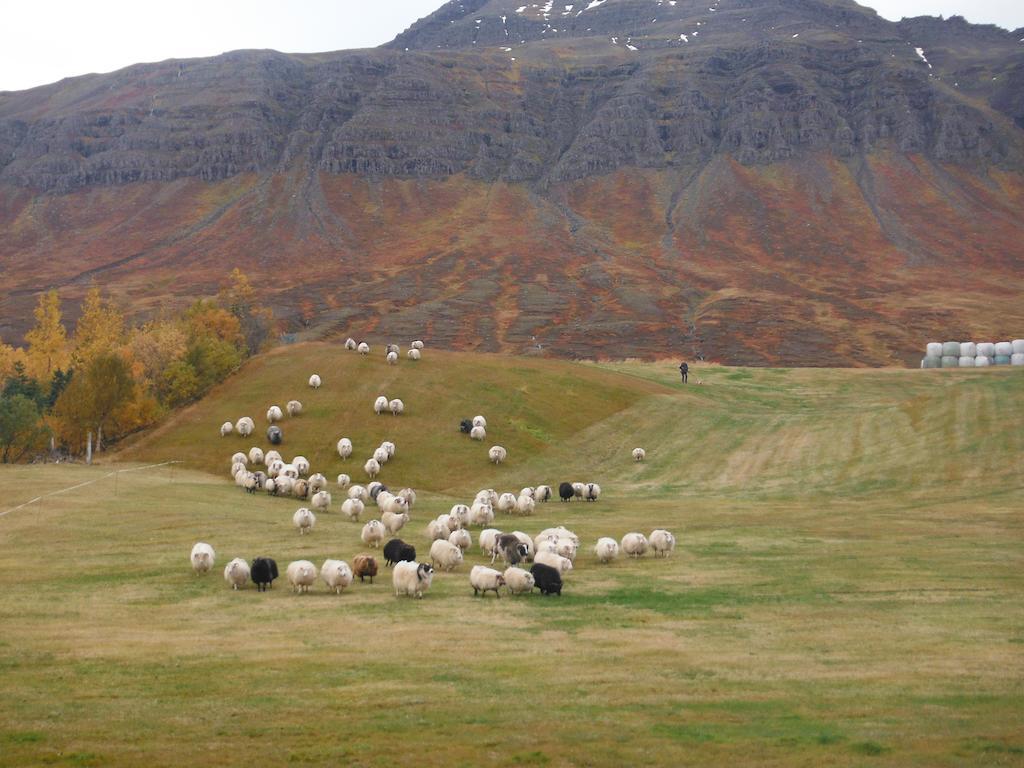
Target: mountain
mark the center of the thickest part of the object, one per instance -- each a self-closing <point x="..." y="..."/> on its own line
<point x="748" y="181"/>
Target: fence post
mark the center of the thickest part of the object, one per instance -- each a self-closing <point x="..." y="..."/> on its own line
<point x="88" y="449"/>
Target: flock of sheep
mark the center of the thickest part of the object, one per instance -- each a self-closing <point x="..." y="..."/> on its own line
<point x="552" y="552"/>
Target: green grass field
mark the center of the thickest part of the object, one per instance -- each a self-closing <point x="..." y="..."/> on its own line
<point x="848" y="587"/>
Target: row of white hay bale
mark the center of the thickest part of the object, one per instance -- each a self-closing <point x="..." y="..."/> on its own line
<point x="971" y="354"/>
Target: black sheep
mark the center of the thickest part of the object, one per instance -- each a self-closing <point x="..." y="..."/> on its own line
<point x="396" y="550"/>
<point x="511" y="549"/>
<point x="466" y="426"/>
<point x="263" y="571"/>
<point x="565" y="491"/>
<point x="547" y="579"/>
<point x="274" y="435"/>
<point x="376" y="491"/>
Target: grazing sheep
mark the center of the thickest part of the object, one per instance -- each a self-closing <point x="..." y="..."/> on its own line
<point x="389" y="348"/>
<point x="274" y="435"/>
<point x="245" y="426"/>
<point x="465" y="426"/>
<point x="304" y="520"/>
<point x="380" y="405"/>
<point x="397" y="407"/>
<point x="481" y="513"/>
<point x="255" y="455"/>
<point x="477" y="433"/>
<point x="553" y="559"/>
<point x="336" y="575"/>
<point x="371" y="468"/>
<point x="364" y="566"/>
<point x="344" y="481"/>
<point x="417" y="344"/>
<point x="518" y="581"/>
<point x="321" y="501"/>
<point x="548" y="580"/>
<point x="381" y="456"/>
<point x="358" y="492"/>
<point x="497" y="454"/>
<point x="525" y="505"/>
<point x="634" y="544"/>
<point x="397" y="551"/>
<point x="591" y="491"/>
<point x="226" y="428"/>
<point x="412" y="579"/>
<point x="484" y="580"/>
<point x="350" y="343"/>
<point x="639" y="454"/>
<point x="445" y="555"/>
<point x="301" y="575"/>
<point x="236" y="573"/>
<point x="352" y="509"/>
<point x="391" y="358"/>
<point x="363" y="348"/>
<point x="393" y="522"/>
<point x="459" y="515"/>
<point x="414" y="354"/>
<point x="202" y="557"/>
<point x="506" y="502"/>
<point x="489" y="541"/>
<point x="461" y="539"/>
<point x="274" y="414"/>
<point x="662" y="542"/>
<point x="606" y="549"/>
<point x="293" y="407"/>
<point x="314" y="381"/>
<point x="542" y="493"/>
<point x="373" y="533"/>
<point x="317" y="482"/>
<point x="565" y="491"/>
<point x="480" y="421"/>
<point x="263" y="572"/>
<point x="344" y="448"/>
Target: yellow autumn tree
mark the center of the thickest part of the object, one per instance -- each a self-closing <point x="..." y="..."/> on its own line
<point x="239" y="298"/>
<point x="8" y="357"/>
<point x="48" y="340"/>
<point x="99" y="331"/>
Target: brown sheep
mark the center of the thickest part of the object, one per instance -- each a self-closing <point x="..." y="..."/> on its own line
<point x="364" y="565"/>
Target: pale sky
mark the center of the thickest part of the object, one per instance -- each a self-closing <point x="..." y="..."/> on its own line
<point x="46" y="40"/>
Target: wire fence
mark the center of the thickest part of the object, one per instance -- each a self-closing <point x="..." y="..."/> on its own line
<point x="113" y="474"/>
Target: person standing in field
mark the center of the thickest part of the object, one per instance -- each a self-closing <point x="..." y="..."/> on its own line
<point x="684" y="369"/>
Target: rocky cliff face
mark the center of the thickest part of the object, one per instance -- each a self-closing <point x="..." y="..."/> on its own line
<point x="672" y="107"/>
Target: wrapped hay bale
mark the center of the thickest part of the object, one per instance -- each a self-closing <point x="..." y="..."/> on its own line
<point x="968" y="349"/>
<point x="1017" y="358"/>
<point x="986" y="349"/>
<point x="1018" y="346"/>
<point x="982" y="362"/>
<point x="966" y="361"/>
<point x="934" y="349"/>
<point x="950" y="361"/>
<point x="932" y="361"/>
<point x="1002" y="360"/>
<point x="951" y="349"/>
<point x="1004" y="349"/>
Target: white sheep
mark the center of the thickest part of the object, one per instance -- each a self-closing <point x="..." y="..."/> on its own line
<point x="542" y="493"/>
<point x="484" y="580"/>
<point x="336" y="575"/>
<point x="397" y="407"/>
<point x="293" y="407"/>
<point x="409" y="495"/>
<point x="639" y="454"/>
<point x="274" y="414"/>
<point x="445" y="555"/>
<point x="393" y="522"/>
<point x="414" y="354"/>
<point x="255" y="455"/>
<point x="364" y="348"/>
<point x="391" y="358"/>
<point x="304" y="520"/>
<point x="497" y="454"/>
<point x="381" y="456"/>
<point x="321" y="501"/>
<point x="245" y="426"/>
<point x="562" y="564"/>
<point x="411" y="578"/>
<point x="236" y="573"/>
<point x="226" y="429"/>
<point x="350" y="343"/>
<point x="478" y="433"/>
<point x="525" y="540"/>
<point x="389" y="348"/>
<point x="458" y="517"/>
<point x="358" y="492"/>
<point x="236" y="468"/>
<point x="380" y="405"/>
<point x="606" y="549"/>
<point x="396" y="505"/>
<point x="388" y="446"/>
<point x="488" y="540"/>
<point x="285" y="484"/>
<point x="202" y="557"/>
<point x="372" y="534"/>
<point x="461" y="538"/>
<point x="527" y="492"/>
<point x="489" y="495"/>
<point x="634" y="544"/>
<point x="239" y="457"/>
<point x="274" y="467"/>
<point x="344" y="448"/>
<point x="270" y="456"/>
<point x="591" y="492"/>
<point x="314" y="381"/>
<point x="525" y="505"/>
<point x="517" y="580"/>
<point x="438" y="529"/>
<point x="480" y="421"/>
<point x="289" y="470"/>
<point x="352" y="509"/>
<point x="506" y="502"/>
<point x="417" y="344"/>
<point x="578" y="489"/>
<point x="270" y="486"/>
<point x="301" y="575"/>
<point x="481" y="513"/>
<point x="662" y="542"/>
<point x="344" y="481"/>
<point x="317" y="482"/>
<point x="560" y="532"/>
<point x="371" y="468"/>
